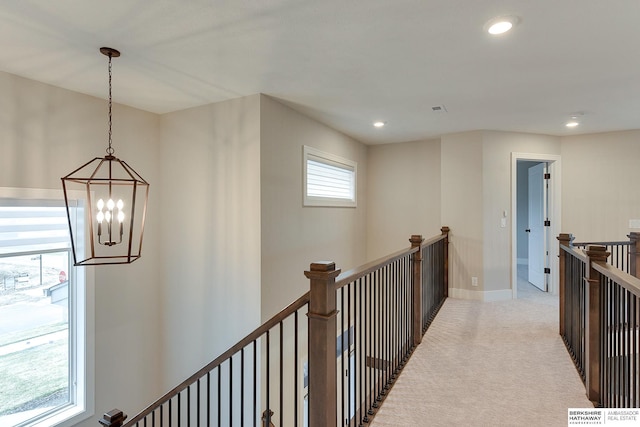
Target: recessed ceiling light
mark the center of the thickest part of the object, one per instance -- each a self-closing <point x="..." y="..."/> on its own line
<point x="501" y="24"/>
<point x="574" y="120"/>
<point x="379" y="124"/>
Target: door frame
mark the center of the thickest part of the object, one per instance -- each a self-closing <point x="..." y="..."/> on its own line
<point x="555" y="215"/>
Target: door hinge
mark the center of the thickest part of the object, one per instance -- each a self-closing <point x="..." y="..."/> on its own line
<point x="547" y="176"/>
<point x="547" y="270"/>
<point x="547" y="223"/>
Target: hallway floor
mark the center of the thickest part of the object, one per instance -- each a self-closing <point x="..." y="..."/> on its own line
<point x="488" y="364"/>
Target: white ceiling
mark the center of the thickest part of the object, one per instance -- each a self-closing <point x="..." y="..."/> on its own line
<point x="346" y="62"/>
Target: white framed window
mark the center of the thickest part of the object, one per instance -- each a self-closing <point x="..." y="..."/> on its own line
<point x="46" y="306"/>
<point x="329" y="180"/>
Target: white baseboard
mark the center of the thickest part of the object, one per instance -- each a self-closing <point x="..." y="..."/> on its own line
<point x="486" y="296"/>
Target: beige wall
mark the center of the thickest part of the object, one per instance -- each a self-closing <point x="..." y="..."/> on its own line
<point x="462" y="206"/>
<point x="404" y="195"/>
<point x="294" y="236"/>
<point x="600" y="188"/>
<point x="210" y="160"/>
<point x="476" y="190"/>
<point x="47" y="132"/>
<point x="497" y="149"/>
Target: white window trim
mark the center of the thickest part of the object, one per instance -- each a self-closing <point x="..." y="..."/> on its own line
<point x="310" y="153"/>
<point x="83" y="342"/>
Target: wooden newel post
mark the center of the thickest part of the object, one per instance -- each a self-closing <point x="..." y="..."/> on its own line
<point x="113" y="418"/>
<point x="564" y="239"/>
<point x="593" y="332"/>
<point x="634" y="254"/>
<point x="416" y="328"/>
<point x="322" y="344"/>
<point x="445" y="231"/>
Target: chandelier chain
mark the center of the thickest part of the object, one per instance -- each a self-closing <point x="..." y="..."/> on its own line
<point x="110" y="150"/>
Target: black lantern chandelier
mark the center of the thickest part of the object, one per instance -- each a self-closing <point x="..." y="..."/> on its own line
<point x="107" y="200"/>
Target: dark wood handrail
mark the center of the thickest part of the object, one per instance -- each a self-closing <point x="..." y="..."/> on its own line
<point x="622" y="243"/>
<point x="354" y="274"/>
<point x="275" y="320"/>
<point x="434" y="239"/>
<point x="578" y="253"/>
<point x="628" y="282"/>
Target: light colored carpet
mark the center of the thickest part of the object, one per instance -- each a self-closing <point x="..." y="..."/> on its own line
<point x="488" y="364"/>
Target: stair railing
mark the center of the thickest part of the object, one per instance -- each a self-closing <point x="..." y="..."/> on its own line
<point x="328" y="359"/>
<point x="600" y="320"/>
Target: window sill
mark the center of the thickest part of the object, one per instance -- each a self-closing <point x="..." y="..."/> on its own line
<point x="65" y="417"/>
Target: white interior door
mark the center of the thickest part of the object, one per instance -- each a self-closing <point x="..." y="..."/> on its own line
<point x="537" y="202"/>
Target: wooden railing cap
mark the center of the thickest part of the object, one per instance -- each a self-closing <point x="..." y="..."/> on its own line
<point x="598" y="253"/>
<point x="322" y="266"/>
<point x="565" y="237"/>
<point x="322" y="270"/>
<point x="416" y="240"/>
<point x="114" y="418"/>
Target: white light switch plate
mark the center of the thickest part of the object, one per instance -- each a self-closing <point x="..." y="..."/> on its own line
<point x="634" y="223"/>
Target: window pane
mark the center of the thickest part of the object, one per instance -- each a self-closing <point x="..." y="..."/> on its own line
<point x="325" y="180"/>
<point x="34" y="334"/>
<point x="329" y="180"/>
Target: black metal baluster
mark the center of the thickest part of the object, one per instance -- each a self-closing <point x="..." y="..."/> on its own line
<point x="219" y="369"/>
<point x="242" y="367"/>
<point x="380" y="329"/>
<point x="281" y="373"/>
<point x="350" y="339"/>
<point x="198" y="403"/>
<point x="295" y="368"/>
<point x="341" y="335"/>
<point x="362" y="355"/>
<point x="369" y="308"/>
<point x="627" y="349"/>
<point x="394" y="332"/>
<point x="606" y="358"/>
<point x="384" y="330"/>
<point x="231" y="390"/>
<point x="375" y="355"/>
<point x="255" y="383"/>
<point x="268" y="364"/>
<point x="616" y="348"/>
<point x="635" y="313"/>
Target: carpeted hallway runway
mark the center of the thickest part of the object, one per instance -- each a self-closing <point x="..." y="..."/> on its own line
<point x="488" y="364"/>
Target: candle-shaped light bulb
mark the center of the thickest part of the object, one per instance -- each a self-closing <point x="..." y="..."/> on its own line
<point x="120" y="204"/>
<point x="121" y="216"/>
<point x="110" y="204"/>
<point x="100" y="217"/>
<point x="107" y="216"/>
<point x="100" y="204"/>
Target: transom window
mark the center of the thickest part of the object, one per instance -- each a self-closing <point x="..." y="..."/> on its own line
<point x="329" y="180"/>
